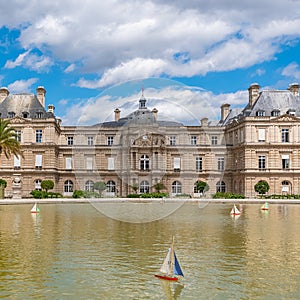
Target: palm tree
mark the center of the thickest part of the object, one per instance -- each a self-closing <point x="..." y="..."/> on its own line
<point x="8" y="143"/>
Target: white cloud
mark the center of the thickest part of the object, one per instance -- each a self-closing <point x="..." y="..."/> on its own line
<point x="292" y="70"/>
<point x="118" y="40"/>
<point x="30" y="61"/>
<point x="70" y="68"/>
<point x="21" y="86"/>
<point x="180" y="104"/>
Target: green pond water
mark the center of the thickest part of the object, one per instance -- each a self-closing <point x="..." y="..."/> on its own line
<point x="75" y="251"/>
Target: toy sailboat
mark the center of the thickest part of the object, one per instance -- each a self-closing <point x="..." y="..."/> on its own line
<point x="265" y="206"/>
<point x="234" y="211"/>
<point x="170" y="266"/>
<point x="35" y="209"/>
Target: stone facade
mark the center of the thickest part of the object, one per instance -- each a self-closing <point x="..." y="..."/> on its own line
<point x="260" y="141"/>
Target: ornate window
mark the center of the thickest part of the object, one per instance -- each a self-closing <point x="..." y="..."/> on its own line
<point x="285" y="135"/>
<point x="176" y="187"/>
<point x="70" y="140"/>
<point x="172" y="139"/>
<point x="221" y="187"/>
<point x="110" y="140"/>
<point x="193" y="140"/>
<point x="262" y="162"/>
<point x="68" y="186"/>
<point x="144" y="187"/>
<point x="89" y="186"/>
<point x="38" y="185"/>
<point x="214" y="140"/>
<point x="111" y="186"/>
<point x="90" y="140"/>
<point x="145" y="162"/>
<point x="221" y="163"/>
<point x="199" y="164"/>
<point x="39" y="135"/>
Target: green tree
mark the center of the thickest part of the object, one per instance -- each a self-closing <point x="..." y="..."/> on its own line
<point x="100" y="186"/>
<point x="262" y="187"/>
<point x="47" y="185"/>
<point x="202" y="186"/>
<point x="3" y="183"/>
<point x="8" y="143"/>
<point x="135" y="187"/>
<point x="159" y="186"/>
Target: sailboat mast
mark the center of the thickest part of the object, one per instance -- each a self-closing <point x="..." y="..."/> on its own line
<point x="172" y="257"/>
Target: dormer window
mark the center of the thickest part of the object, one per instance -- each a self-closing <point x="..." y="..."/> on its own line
<point x="275" y="113"/>
<point x="25" y="115"/>
<point x="291" y="112"/>
<point x="11" y="114"/>
<point x="39" y="115"/>
<point x="261" y="113"/>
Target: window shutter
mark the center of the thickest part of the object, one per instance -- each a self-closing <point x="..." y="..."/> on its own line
<point x="176" y="162"/>
<point x="111" y="163"/>
<point x="38" y="160"/>
<point x="261" y="134"/>
<point x="17" y="161"/>
<point x="68" y="163"/>
<point x="89" y="163"/>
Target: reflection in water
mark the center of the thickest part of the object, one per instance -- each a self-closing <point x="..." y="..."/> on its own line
<point x="75" y="252"/>
<point x="172" y="290"/>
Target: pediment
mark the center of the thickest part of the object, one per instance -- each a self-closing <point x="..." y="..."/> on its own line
<point x="148" y="140"/>
<point x="19" y="120"/>
<point x="286" y="118"/>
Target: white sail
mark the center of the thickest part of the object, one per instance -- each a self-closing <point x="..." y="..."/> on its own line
<point x="234" y="210"/>
<point x="166" y="266"/>
<point x="35" y="208"/>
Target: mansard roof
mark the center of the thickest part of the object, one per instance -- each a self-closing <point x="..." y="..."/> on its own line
<point x="142" y="116"/>
<point x="21" y="105"/>
<point x="269" y="101"/>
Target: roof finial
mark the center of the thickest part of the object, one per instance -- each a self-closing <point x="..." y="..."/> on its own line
<point x="143" y="91"/>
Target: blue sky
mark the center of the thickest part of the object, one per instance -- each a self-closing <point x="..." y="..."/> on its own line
<point x="190" y="56"/>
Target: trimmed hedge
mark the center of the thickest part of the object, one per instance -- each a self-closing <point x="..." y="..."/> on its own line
<point x="219" y="195"/>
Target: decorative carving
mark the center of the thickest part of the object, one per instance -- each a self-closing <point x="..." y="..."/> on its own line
<point x="286" y="118"/>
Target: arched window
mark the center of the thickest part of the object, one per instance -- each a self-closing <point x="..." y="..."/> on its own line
<point x="221" y="187"/>
<point x="144" y="187"/>
<point x="111" y="186"/>
<point x="176" y="187"/>
<point x="145" y="162"/>
<point x="89" y="186"/>
<point x="68" y="186"/>
<point x="285" y="186"/>
<point x="38" y="184"/>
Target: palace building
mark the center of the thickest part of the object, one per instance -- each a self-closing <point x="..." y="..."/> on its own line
<point x="258" y="142"/>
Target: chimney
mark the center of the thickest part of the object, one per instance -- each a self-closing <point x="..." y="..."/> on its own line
<point x="253" y="93"/>
<point x="204" y="122"/>
<point x="51" y="108"/>
<point x="40" y="92"/>
<point x="224" y="111"/>
<point x="4" y="92"/>
<point x="294" y="89"/>
<point x="117" y="114"/>
<point x="155" y="111"/>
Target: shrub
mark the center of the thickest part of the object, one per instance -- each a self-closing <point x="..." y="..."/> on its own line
<point x="3" y="183"/>
<point x="223" y="195"/>
<point x="47" y="185"/>
<point x="77" y="194"/>
<point x="39" y="194"/>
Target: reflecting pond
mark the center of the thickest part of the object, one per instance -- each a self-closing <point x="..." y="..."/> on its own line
<point x="73" y="251"/>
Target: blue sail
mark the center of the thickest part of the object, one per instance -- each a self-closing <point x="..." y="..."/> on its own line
<point x="177" y="269"/>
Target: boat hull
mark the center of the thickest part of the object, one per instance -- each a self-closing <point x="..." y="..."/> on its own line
<point x="165" y="277"/>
